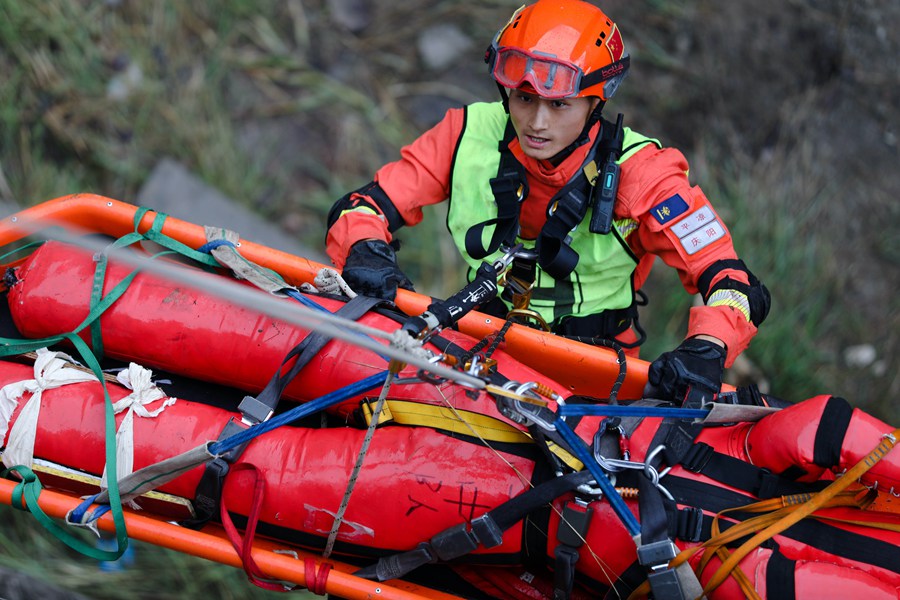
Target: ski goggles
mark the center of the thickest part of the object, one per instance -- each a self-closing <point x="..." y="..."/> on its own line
<point x="549" y="76"/>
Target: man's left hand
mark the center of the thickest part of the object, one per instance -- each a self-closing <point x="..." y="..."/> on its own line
<point x="697" y="363"/>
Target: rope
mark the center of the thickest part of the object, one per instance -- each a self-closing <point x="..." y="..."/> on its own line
<point x="493" y="340"/>
<point x="363" y="450"/>
<point x="329" y="281"/>
<point x="354" y="389"/>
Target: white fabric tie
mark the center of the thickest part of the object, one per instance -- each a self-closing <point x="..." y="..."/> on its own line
<point x="51" y="370"/>
<point x="143" y="392"/>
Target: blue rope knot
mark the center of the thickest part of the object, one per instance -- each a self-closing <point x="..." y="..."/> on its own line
<point x="208" y="247"/>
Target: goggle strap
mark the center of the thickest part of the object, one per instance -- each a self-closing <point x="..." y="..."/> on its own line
<point x="608" y="72"/>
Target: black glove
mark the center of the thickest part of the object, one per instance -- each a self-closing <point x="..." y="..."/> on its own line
<point x="694" y="364"/>
<point x="371" y="270"/>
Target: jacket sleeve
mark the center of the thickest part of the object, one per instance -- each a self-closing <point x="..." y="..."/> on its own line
<point x="420" y="177"/>
<point x="677" y="223"/>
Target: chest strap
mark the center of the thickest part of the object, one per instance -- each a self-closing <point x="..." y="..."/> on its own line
<point x="510" y="187"/>
<point x="567" y="208"/>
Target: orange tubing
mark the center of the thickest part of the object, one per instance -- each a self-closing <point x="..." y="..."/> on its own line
<point x="210" y="543"/>
<point x="583" y="369"/>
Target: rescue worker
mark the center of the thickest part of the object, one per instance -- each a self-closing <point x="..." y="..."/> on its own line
<point x="592" y="201"/>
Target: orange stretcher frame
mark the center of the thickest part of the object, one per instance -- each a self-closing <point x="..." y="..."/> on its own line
<point x="212" y="544"/>
<point x="582" y="368"/>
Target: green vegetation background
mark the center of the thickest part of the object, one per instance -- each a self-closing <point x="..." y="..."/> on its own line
<point x="786" y="111"/>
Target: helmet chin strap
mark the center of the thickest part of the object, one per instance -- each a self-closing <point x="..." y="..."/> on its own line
<point x="582" y="138"/>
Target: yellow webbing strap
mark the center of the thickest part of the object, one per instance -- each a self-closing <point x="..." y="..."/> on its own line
<point x="405" y="412"/>
<point x="454" y="420"/>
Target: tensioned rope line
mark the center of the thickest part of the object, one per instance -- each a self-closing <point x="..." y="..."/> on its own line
<point x="401" y="345"/>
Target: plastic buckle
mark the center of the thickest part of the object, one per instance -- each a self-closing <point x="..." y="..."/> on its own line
<point x="452" y="543"/>
<point x="665" y="585"/>
<point x="253" y="411"/>
<point x="688" y="524"/>
<point x="656" y="555"/>
<point x="574" y="524"/>
<point x="486" y="531"/>
<point x="663" y="580"/>
<point x="697" y="457"/>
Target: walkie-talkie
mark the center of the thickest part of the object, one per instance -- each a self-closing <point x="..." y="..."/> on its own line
<point x="603" y="195"/>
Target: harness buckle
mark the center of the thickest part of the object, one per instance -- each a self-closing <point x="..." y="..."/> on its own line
<point x="656" y="555"/>
<point x="253" y="411"/>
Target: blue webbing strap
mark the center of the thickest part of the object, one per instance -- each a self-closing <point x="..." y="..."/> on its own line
<point x="298" y="412"/>
<point x="581" y="451"/>
<point x="229" y="443"/>
<point x="621" y="410"/>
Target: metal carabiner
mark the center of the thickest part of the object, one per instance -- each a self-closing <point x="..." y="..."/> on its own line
<point x="653" y="475"/>
<point x="502" y="263"/>
<point x="526" y="412"/>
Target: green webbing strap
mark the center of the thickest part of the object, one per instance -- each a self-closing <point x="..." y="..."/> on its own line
<point x="13" y="346"/>
<point x="26" y="493"/>
<point x="154" y="234"/>
<point x="4" y="258"/>
<point x="29" y="489"/>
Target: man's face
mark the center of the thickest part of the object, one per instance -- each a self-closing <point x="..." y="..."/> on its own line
<point x="545" y="127"/>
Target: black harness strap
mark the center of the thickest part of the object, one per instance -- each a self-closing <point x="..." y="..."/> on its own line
<point x="780" y="584"/>
<point x="573" y="526"/>
<point x="830" y="434"/>
<point x="256" y="410"/>
<point x="486" y="530"/>
<point x="656" y="548"/>
<point x="762" y="483"/>
<point x="818" y="534"/>
<point x="509" y="187"/>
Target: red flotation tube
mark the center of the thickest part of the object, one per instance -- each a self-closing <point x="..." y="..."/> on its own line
<point x="418" y="481"/>
<point x="199" y="335"/>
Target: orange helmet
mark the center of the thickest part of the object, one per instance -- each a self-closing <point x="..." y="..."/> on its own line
<point x="561" y="48"/>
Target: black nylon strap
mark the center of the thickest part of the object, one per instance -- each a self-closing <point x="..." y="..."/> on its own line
<point x="762" y="483"/>
<point x="509" y="188"/>
<point x="830" y="434"/>
<point x="456" y="541"/>
<point x="564" y="572"/>
<point x="309" y="348"/>
<point x="818" y="534"/>
<point x="780" y="577"/>
<point x="570" y="206"/>
<point x="654" y="522"/>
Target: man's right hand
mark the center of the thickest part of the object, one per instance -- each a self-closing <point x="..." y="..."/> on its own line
<point x="371" y="270"/>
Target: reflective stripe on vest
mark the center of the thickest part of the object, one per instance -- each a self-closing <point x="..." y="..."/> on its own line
<point x="602" y="278"/>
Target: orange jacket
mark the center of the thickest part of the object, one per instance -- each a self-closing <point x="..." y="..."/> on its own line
<point x="649" y="178"/>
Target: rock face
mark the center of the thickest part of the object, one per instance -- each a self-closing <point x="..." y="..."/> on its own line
<point x="172" y="189"/>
